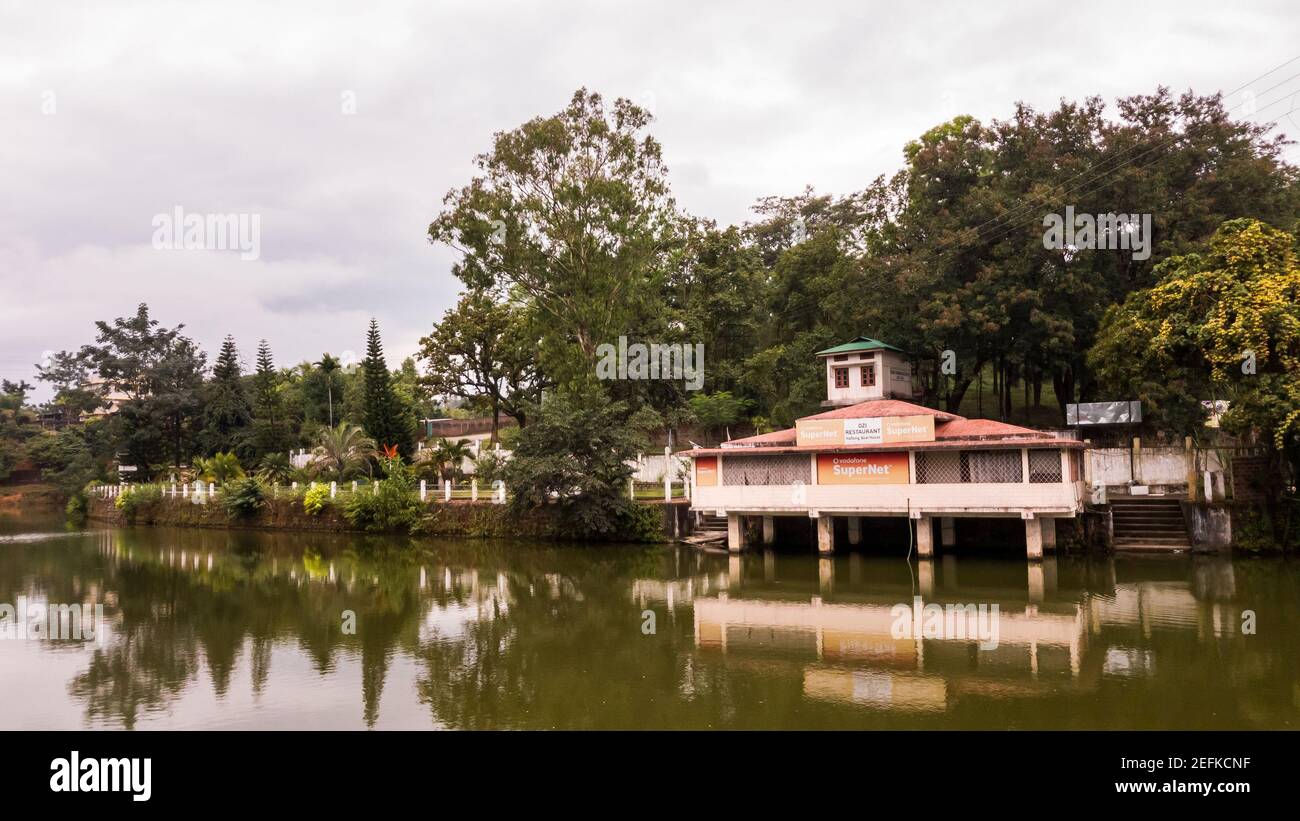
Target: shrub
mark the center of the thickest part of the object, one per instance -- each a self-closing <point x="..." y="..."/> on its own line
<point x="243" y="498"/>
<point x="137" y="500"/>
<point x="571" y="463"/>
<point x="393" y="506"/>
<point x="644" y="524"/>
<point x="316" y="499"/>
<point x="76" y="507"/>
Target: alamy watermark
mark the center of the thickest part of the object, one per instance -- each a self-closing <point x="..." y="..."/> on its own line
<point x="654" y="361"/>
<point x="208" y="232"/>
<point x="1072" y="233"/>
<point x="124" y="775"/>
<point x="964" y="622"/>
<point x="49" y="622"/>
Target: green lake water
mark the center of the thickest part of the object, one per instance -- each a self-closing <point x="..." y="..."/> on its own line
<point x="249" y="630"/>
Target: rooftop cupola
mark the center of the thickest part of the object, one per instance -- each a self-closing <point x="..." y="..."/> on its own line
<point x="864" y="369"/>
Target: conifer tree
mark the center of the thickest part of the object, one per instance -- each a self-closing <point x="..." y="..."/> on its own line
<point x="387" y="421"/>
<point x="270" y="427"/>
<point x="226" y="412"/>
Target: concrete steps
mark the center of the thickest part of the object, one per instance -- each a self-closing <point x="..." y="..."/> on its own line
<point x="1149" y="523"/>
<point x="710" y="528"/>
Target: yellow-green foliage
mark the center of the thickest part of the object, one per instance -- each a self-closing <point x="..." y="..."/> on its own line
<point x="315" y="500"/>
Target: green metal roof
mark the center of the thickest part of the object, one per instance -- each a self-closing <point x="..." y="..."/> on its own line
<point x="862" y="343"/>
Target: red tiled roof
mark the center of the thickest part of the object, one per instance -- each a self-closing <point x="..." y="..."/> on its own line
<point x="961" y="427"/>
<point x="950" y="432"/>
<point x="776" y="437"/>
<point x="1038" y="440"/>
<point x="884" y="407"/>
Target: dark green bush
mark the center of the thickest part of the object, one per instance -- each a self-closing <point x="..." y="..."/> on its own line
<point x="243" y="498"/>
<point x="393" y="506"/>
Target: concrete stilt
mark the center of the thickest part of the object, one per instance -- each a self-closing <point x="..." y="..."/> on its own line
<point x="1036" y="582"/>
<point x="924" y="536"/>
<point x="948" y="531"/>
<point x="735" y="531"/>
<point x="825" y="534"/>
<point x="855" y="530"/>
<point x="925" y="578"/>
<point x="769" y="530"/>
<point x="769" y="566"/>
<point x="826" y="576"/>
<point x="1034" y="539"/>
<point x="1049" y="534"/>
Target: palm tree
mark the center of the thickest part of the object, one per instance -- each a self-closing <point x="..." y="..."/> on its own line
<point x="449" y="456"/>
<point x="329" y="366"/>
<point x="344" y="449"/>
<point x="275" y="468"/>
<point x="220" y="468"/>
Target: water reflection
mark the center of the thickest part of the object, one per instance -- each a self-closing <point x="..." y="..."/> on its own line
<point x="243" y="629"/>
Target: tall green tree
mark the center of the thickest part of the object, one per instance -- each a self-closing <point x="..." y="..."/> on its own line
<point x="227" y="412"/>
<point x="328" y="367"/>
<point x="158" y="371"/>
<point x="1220" y="324"/>
<point x="387" y="420"/>
<point x="574" y="211"/>
<point x="482" y="350"/>
<point x="270" y="428"/>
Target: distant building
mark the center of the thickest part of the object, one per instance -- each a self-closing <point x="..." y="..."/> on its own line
<point x="478" y="429"/>
<point x="887" y="457"/>
<point x="111" y="400"/>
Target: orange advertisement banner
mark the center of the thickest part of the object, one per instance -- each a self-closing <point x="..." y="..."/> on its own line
<point x="887" y="468"/>
<point x="918" y="428"/>
<point x="706" y="471"/>
<point x="819" y="432"/>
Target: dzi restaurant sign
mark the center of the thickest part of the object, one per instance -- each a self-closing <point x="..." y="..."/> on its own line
<point x="882" y="468"/>
<point x="871" y="430"/>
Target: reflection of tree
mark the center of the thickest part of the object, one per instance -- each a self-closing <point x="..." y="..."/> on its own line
<point x="219" y="597"/>
<point x="141" y="673"/>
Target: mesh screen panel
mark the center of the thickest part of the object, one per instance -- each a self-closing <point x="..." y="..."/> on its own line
<point x="990" y="466"/>
<point x="938" y="467"/>
<point x="773" y="469"/>
<point x="1044" y="466"/>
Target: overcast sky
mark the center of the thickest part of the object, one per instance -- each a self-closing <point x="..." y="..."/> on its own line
<point x="112" y="113"/>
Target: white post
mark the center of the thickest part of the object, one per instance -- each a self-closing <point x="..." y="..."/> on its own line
<point x="473" y="489"/>
<point x="501" y="492"/>
<point x="334" y="489"/>
<point x="354" y="485"/>
<point x="446" y="490"/>
<point x="185" y="490"/>
<point x="423" y="489"/>
<point x="668" y="474"/>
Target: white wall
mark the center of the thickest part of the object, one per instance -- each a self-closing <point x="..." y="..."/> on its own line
<point x="1064" y="498"/>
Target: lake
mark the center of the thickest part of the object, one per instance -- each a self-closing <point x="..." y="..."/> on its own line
<point x="254" y="630"/>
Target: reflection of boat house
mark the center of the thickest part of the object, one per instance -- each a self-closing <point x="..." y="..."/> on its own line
<point x="887" y="457"/>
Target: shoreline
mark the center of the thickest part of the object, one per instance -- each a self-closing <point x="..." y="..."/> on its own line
<point x="481" y="519"/>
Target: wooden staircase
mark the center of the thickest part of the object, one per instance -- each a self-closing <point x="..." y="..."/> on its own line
<point x="1152" y="523"/>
